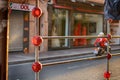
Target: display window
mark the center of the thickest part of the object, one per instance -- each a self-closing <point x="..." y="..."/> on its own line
<point x="59" y="28"/>
<point x="86" y="24"/>
<point x="79" y="24"/>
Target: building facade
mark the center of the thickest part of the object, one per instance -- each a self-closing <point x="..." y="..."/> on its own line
<point x="79" y="18"/>
<point x="59" y="18"/>
<point x="21" y="25"/>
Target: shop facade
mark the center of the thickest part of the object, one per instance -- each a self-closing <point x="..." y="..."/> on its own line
<point x="67" y="18"/>
<point x="59" y="18"/>
<point x="21" y="23"/>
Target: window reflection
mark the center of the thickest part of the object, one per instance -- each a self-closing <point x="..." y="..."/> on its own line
<point x="81" y="24"/>
<point x="59" y="27"/>
<point x="86" y="24"/>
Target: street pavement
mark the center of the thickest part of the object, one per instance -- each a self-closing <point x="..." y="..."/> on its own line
<point x="81" y="70"/>
<point x="20" y="56"/>
<point x="69" y="71"/>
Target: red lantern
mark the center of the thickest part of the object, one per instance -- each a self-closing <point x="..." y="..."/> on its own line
<point x="36" y="66"/>
<point x="107" y="75"/>
<point x="37" y="40"/>
<point x="36" y="12"/>
<point x="109" y="36"/>
<point x="109" y="56"/>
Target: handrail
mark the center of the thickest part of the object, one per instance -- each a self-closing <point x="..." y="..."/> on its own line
<point x="71" y="37"/>
<point x="76" y="60"/>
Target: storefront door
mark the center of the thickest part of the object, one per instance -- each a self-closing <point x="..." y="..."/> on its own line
<point x="16" y="31"/>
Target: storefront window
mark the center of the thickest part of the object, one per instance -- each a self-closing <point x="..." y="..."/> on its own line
<point x="82" y="24"/>
<point x="86" y="24"/>
<point x="59" y="28"/>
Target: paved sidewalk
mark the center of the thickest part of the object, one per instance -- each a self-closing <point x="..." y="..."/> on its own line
<point x="19" y="56"/>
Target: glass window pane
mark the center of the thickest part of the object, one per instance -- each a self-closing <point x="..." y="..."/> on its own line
<point x="86" y="24"/>
<point x="59" y="27"/>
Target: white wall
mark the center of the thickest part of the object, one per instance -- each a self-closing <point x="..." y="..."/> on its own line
<point x="116" y="31"/>
<point x="99" y="25"/>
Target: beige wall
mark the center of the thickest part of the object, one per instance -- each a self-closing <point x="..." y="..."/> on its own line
<point x="31" y="28"/>
<point x="31" y="33"/>
<point x="43" y="27"/>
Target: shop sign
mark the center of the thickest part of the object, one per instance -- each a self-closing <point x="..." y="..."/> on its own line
<point x="23" y="7"/>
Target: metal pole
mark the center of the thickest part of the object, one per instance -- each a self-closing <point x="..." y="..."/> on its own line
<point x="36" y="47"/>
<point x="76" y="60"/>
<point x="4" y="41"/>
<point x="108" y="26"/>
<point x="8" y="28"/>
<point x="71" y="37"/>
<point x="36" y="60"/>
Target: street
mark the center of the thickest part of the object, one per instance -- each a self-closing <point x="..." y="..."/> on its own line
<point x="82" y="70"/>
<point x="62" y="35"/>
